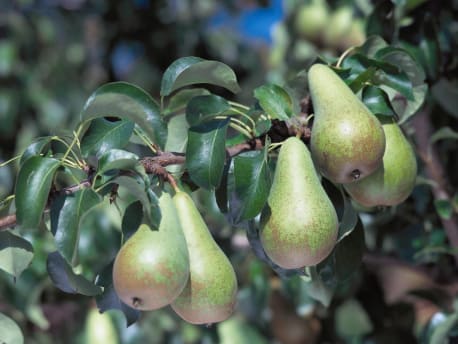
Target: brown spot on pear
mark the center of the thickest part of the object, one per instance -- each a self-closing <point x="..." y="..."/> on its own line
<point x="346" y="136"/>
<point x="152" y="267"/>
<point x="210" y="293"/>
<point x="299" y="223"/>
<point x="392" y="182"/>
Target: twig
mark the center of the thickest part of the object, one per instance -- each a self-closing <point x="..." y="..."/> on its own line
<point x="435" y="170"/>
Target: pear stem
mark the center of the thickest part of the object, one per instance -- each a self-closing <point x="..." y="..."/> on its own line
<point x="344" y="55"/>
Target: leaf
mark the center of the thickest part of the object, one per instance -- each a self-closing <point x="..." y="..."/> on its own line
<point x="67" y="212"/>
<point x="419" y="93"/>
<point x="132" y="219"/>
<point x="444" y="133"/>
<point x="275" y="101"/>
<point x="128" y="102"/>
<point x="38" y="147"/>
<point x="398" y="81"/>
<point x="202" y="108"/>
<point x="104" y="135"/>
<point x="110" y="300"/>
<point x="362" y="79"/>
<point x="16" y="253"/>
<point x="32" y="189"/>
<point x="10" y="331"/>
<point x="65" y="278"/>
<point x="372" y="44"/>
<point x="382" y="21"/>
<point x="252" y="182"/>
<point x="377" y="101"/>
<point x="444" y="208"/>
<point x="177" y="139"/>
<point x="352" y="320"/>
<point x="349" y="219"/>
<point x="318" y="290"/>
<point x="180" y="99"/>
<point x="116" y="159"/>
<point x="439" y="327"/>
<point x="193" y="70"/>
<point x="206" y="153"/>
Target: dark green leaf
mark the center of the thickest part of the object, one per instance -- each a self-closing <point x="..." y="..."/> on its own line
<point x="407" y="108"/>
<point x="116" y="159"/>
<point x="202" y="108"/>
<point x="32" y="189"/>
<point x="297" y="88"/>
<point x="445" y="93"/>
<point x="349" y="219"/>
<point x="195" y="70"/>
<point x="444" y="208"/>
<point x="67" y="212"/>
<point x="275" y="101"/>
<point x="252" y="182"/>
<point x="10" y="331"/>
<point x="177" y="139"/>
<point x="397" y="81"/>
<point x="132" y="219"/>
<point x="179" y="100"/>
<point x="129" y="102"/>
<point x="109" y="299"/>
<point x="104" y="135"/>
<point x="65" y="278"/>
<point x="430" y="48"/>
<point x="38" y="147"/>
<point x="362" y="79"/>
<point x="444" y="133"/>
<point x="206" y="153"/>
<point x="372" y="45"/>
<point x="382" y="21"/>
<point x="377" y="101"/>
<point x="16" y="253"/>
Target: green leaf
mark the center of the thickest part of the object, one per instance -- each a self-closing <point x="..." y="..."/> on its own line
<point x="445" y="93"/>
<point x="16" y="253"/>
<point x="275" y="101"/>
<point x="405" y="111"/>
<point x="116" y="159"/>
<point x="372" y="44"/>
<point x="444" y="133"/>
<point x="349" y="219"/>
<point x="10" y="331"/>
<point x="439" y="327"/>
<point x="128" y="102"/>
<point x="252" y="182"/>
<point x="317" y="289"/>
<point x="352" y="320"/>
<point x="38" y="147"/>
<point x="180" y="99"/>
<point x="382" y="21"/>
<point x="193" y="70"/>
<point x="377" y="101"/>
<point x="202" y="108"/>
<point x="32" y="189"/>
<point x="104" y="135"/>
<point x="67" y="212"/>
<point x="131" y="220"/>
<point x="177" y="139"/>
<point x="398" y="81"/>
<point x="444" y="208"/>
<point x="206" y="153"/>
<point x="362" y="79"/>
<point x="64" y="278"/>
<point x="109" y="299"/>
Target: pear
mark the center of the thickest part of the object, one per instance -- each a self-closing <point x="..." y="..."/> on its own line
<point x="338" y="26"/>
<point x="392" y="182"/>
<point x="311" y="19"/>
<point x="347" y="140"/>
<point x="299" y="224"/>
<point x="99" y="328"/>
<point x="210" y="293"/>
<point x="152" y="267"/>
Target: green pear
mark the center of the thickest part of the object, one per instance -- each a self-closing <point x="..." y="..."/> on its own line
<point x="152" y="267"/>
<point x="210" y="293"/>
<point x="392" y="182"/>
<point x="338" y="26"/>
<point x="299" y="224"/>
<point x="347" y="140"/>
<point x="99" y="328"/>
<point x="311" y="19"/>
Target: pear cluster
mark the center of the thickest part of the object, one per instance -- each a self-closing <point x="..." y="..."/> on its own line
<point x="179" y="264"/>
<point x="349" y="145"/>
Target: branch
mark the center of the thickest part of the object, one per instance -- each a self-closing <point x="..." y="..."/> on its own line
<point x="435" y="170"/>
<point x="153" y="165"/>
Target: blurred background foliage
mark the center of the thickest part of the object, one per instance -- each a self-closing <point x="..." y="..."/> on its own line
<point x="54" y="53"/>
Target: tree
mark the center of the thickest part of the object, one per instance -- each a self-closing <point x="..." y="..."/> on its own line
<point x="127" y="148"/>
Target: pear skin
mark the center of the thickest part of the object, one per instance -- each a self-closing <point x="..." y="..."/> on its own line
<point x="393" y="182"/>
<point x="348" y="141"/>
<point x="152" y="267"/>
<point x="299" y="224"/>
<point x="210" y="293"/>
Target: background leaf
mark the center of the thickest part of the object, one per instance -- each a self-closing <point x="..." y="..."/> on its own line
<point x="444" y="133"/>
<point x="110" y="300"/>
<point x="104" y="135"/>
<point x="65" y="278"/>
<point x="206" y="153"/>
<point x="32" y="189"/>
<point x="16" y="253"/>
<point x="67" y="212"/>
<point x="10" y="332"/>
<point x="194" y="70"/>
<point x="130" y="102"/>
